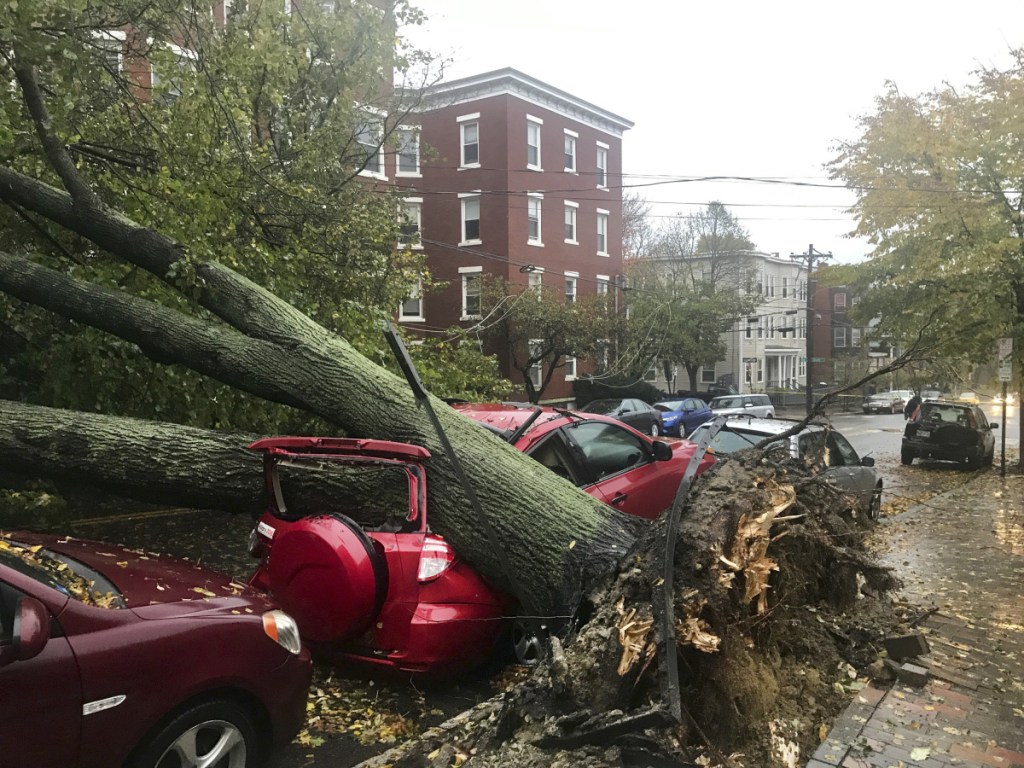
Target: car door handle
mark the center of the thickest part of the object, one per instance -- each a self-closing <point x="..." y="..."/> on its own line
<point x="619" y="498"/>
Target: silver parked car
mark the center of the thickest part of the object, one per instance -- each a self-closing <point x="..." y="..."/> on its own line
<point x="854" y="476"/>
<point x="749" y="405"/>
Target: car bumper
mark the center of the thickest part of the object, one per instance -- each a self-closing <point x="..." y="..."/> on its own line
<point x="439" y="639"/>
<point x="923" y="449"/>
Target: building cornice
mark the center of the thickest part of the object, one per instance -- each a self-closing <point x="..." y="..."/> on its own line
<point x="511" y="82"/>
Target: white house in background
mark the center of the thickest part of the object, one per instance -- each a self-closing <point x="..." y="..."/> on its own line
<point x="767" y="347"/>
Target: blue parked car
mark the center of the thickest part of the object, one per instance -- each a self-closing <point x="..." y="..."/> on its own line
<point x="681" y="417"/>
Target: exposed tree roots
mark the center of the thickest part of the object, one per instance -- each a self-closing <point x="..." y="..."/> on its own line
<point x="777" y="608"/>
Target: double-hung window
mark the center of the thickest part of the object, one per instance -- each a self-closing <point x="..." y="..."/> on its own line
<point x="410" y="220"/>
<point x="602" y="232"/>
<point x="571" y="210"/>
<point x="469" y="140"/>
<point x="570" y="368"/>
<point x="839" y="301"/>
<point x="570" y="151"/>
<point x="412" y="308"/>
<point x="110" y="43"/>
<point x="534" y="203"/>
<point x="472" y="282"/>
<point x="537" y="369"/>
<point x="839" y="336"/>
<point x="408" y="152"/>
<point x="602" y="285"/>
<point x="535" y="281"/>
<point x="570" y="287"/>
<point x="368" y="136"/>
<point x="533" y="126"/>
<point x="602" y="165"/>
<point x="166" y="73"/>
<point x="470" y="218"/>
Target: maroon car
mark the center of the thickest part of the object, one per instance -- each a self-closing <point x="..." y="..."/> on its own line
<point x="345" y="546"/>
<point x="114" y="657"/>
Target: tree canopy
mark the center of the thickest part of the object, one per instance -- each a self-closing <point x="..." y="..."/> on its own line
<point x="939" y="179"/>
<point x="260" y="128"/>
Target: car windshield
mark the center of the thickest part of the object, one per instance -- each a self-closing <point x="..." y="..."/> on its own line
<point x="59" y="572"/>
<point x="601" y="406"/>
<point x="729" y="439"/>
<point x="727" y="402"/>
<point x="669" y="405"/>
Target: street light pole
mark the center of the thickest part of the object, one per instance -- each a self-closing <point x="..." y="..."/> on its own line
<point x="809" y="345"/>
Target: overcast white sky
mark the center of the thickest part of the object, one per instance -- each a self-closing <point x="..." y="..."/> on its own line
<point x="744" y="88"/>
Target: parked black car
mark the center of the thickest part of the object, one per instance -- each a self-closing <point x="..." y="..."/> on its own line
<point x="951" y="432"/>
<point x="638" y="414"/>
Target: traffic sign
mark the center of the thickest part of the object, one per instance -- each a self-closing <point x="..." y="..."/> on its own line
<point x="1006" y="359"/>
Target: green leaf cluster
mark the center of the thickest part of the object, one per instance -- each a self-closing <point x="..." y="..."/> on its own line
<point x="243" y="140"/>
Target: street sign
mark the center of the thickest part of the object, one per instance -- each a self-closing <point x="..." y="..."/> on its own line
<point x="817" y="359"/>
<point x="749" y="359"/>
<point x="1006" y="359"/>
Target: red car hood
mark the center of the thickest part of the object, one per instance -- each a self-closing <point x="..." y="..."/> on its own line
<point x="144" y="578"/>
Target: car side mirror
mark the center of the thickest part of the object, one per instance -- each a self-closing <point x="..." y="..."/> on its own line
<point x="662" y="451"/>
<point x="993" y="426"/>
<point x="867" y="461"/>
<point x="30" y="631"/>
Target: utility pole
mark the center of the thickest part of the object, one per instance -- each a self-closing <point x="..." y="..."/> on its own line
<point x="809" y="346"/>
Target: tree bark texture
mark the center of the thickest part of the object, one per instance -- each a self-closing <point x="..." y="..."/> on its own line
<point x="557" y="538"/>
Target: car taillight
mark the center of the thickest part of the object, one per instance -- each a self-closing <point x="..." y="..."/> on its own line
<point x="282" y="629"/>
<point x="436" y="557"/>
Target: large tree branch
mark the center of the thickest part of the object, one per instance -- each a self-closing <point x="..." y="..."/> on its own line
<point x="54" y="149"/>
<point x="146" y="460"/>
<point x="162" y="334"/>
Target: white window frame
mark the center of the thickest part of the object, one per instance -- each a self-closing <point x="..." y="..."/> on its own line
<point x="537" y="369"/>
<point x="535" y="205"/>
<point x="416" y="294"/>
<point x="603" y="284"/>
<point x="465" y="275"/>
<point x="465" y="197"/>
<point x="571" y="220"/>
<point x="534" y="127"/>
<point x="569" y="363"/>
<point x="855" y="335"/>
<point x="569" y="145"/>
<point x="107" y="38"/>
<point x="375" y="124"/>
<point x="464" y="122"/>
<point x="801" y="368"/>
<point x="839" y="301"/>
<point x="182" y="54"/>
<point x="801" y="324"/>
<point x="839" y="336"/>
<point x="602" y="232"/>
<point x="704" y="371"/>
<point x="572" y="280"/>
<point x="601" y="168"/>
<point x="414" y="133"/>
<point x="412" y="209"/>
<point x="535" y="281"/>
<point x="785" y="287"/>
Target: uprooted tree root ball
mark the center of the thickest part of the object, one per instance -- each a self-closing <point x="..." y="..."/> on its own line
<point x="778" y="610"/>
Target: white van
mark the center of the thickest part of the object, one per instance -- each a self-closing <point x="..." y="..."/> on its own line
<point x="752" y="405"/>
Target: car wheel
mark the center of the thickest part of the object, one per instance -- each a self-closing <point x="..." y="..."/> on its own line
<point x="907" y="457"/>
<point x="974" y="459"/>
<point x="529" y="642"/>
<point x="655" y="431"/>
<point x="990" y="457"/>
<point x="875" y="507"/>
<point x="770" y="415"/>
<point x="214" y="733"/>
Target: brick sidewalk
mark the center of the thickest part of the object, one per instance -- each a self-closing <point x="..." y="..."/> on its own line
<point x="963" y="554"/>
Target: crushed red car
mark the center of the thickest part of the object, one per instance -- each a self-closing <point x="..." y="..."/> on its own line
<point x="110" y="656"/>
<point x="345" y="544"/>
<point x="609" y="460"/>
<point x="361" y="572"/>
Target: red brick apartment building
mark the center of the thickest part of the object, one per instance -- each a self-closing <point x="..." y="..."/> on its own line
<point x="513" y="178"/>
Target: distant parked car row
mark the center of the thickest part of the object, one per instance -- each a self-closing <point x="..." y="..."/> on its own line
<point x="679" y="417"/>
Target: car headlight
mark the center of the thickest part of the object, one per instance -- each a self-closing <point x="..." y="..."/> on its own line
<point x="282" y="629"/>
